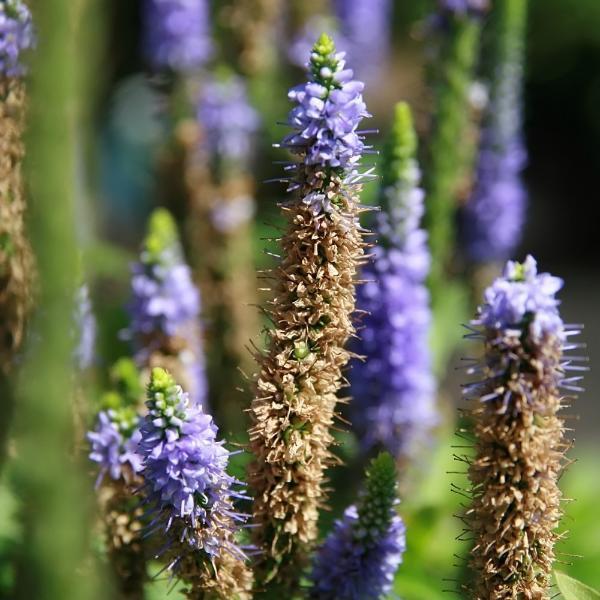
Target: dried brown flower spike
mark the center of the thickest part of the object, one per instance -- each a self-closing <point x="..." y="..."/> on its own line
<point x="301" y="372"/>
<point x="16" y="258"/>
<point x="520" y="444"/>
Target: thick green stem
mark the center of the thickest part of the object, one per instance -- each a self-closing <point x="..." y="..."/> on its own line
<point x="54" y="493"/>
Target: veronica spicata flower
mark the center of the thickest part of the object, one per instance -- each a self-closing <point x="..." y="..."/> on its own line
<point x="165" y="307"/>
<point x="301" y="372"/>
<point x="519" y="439"/>
<point x="393" y="387"/>
<point x="187" y="486"/>
<point x="359" y="558"/>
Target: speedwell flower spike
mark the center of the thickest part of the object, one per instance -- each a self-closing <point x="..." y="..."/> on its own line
<point x="165" y="307"/>
<point x="519" y="438"/>
<point x="114" y="447"/>
<point x="189" y="493"/>
<point x="393" y="387"/>
<point x="301" y="372"/>
<point x="359" y="558"/>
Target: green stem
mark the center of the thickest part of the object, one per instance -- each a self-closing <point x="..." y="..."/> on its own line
<point x="54" y="493"/>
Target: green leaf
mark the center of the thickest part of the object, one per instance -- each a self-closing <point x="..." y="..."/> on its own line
<point x="571" y="589"/>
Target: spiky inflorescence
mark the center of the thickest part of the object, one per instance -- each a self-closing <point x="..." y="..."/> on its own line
<point x="114" y="448"/>
<point x="165" y="307"/>
<point x="189" y="493"/>
<point x="177" y="34"/>
<point x="16" y="259"/>
<point x="493" y="218"/>
<point x="301" y="372"/>
<point x="520" y="445"/>
<point x="393" y="386"/>
<point x="365" y="30"/>
<point x="359" y="558"/>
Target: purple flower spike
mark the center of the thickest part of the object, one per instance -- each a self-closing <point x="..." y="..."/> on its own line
<point x="187" y="487"/>
<point x="16" y="36"/>
<point x="360" y="557"/>
<point x="165" y="306"/>
<point x="227" y="119"/>
<point x="394" y="388"/>
<point x="177" y="34"/>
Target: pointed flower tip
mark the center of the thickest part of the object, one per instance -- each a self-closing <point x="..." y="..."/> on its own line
<point x="324" y="46"/>
<point x="162" y="233"/>
<point x="160" y="380"/>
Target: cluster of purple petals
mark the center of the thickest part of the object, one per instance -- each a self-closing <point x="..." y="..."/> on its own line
<point x="394" y="389"/>
<point x="523" y="297"/>
<point x="347" y="568"/>
<point x="113" y="449"/>
<point x="494" y="216"/>
<point x="177" y="34"/>
<point x="86" y="329"/>
<point x="326" y="117"/>
<point x="365" y="31"/>
<point x="16" y="36"/>
<point x="227" y="119"/>
<point x="184" y="467"/>
<point x="165" y="299"/>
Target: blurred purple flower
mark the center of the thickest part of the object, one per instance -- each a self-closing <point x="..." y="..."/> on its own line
<point x="16" y="36"/>
<point x="227" y="119"/>
<point x="394" y="388"/>
<point x="114" y="444"/>
<point x="365" y="33"/>
<point x="177" y="34"/>
<point x="492" y="221"/>
<point x="461" y="7"/>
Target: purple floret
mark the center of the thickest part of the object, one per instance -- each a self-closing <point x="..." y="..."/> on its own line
<point x="177" y="34"/>
<point x="16" y="36"/>
<point x="326" y="118"/>
<point x="227" y="119"/>
<point x="523" y="298"/>
<point x="113" y="449"/>
<point x="347" y="568"/>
